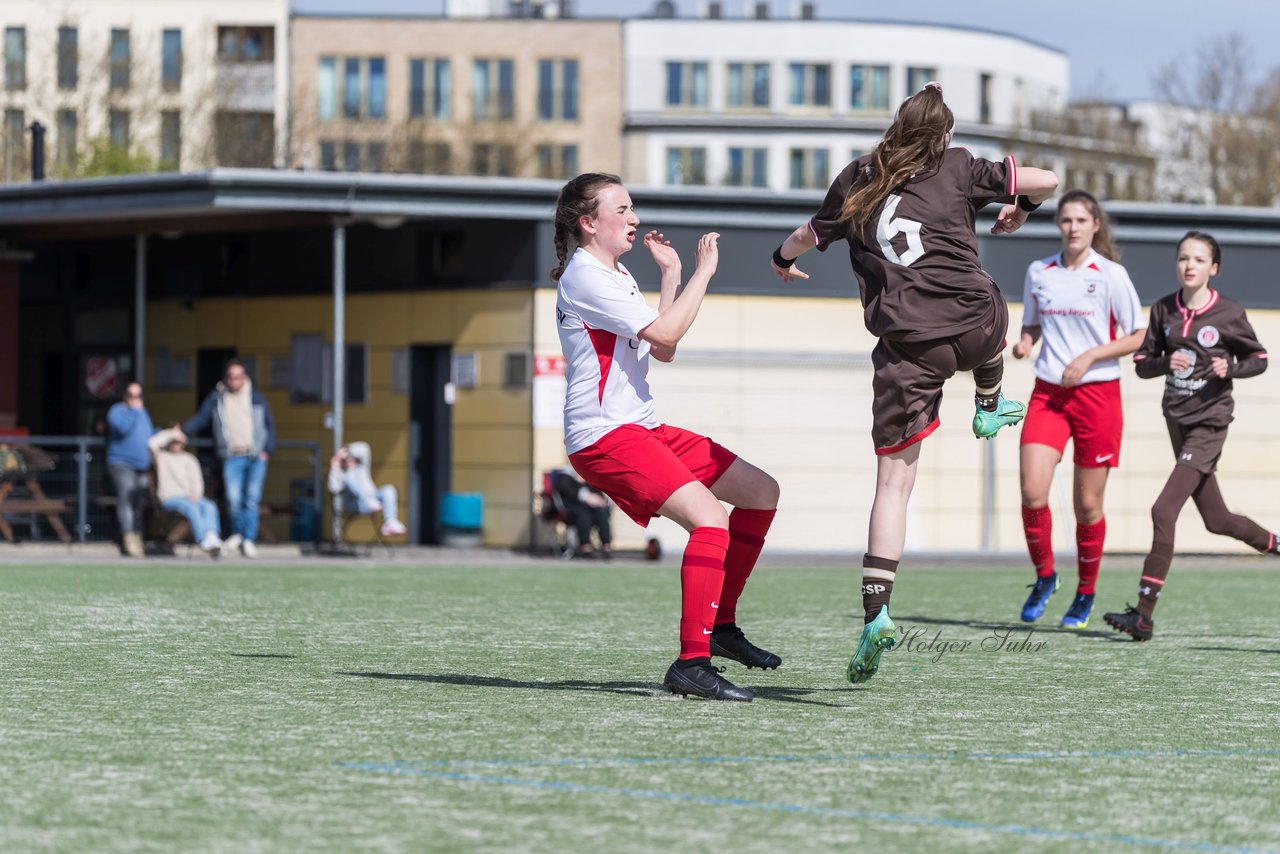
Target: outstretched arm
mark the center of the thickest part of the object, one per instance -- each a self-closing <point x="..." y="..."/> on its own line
<point x="797" y="243"/>
<point x="1036" y="186"/>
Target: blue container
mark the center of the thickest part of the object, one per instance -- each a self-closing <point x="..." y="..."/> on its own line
<point x="462" y="511"/>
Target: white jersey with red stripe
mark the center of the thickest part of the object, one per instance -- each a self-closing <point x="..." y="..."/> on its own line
<point x="600" y="312"/>
<point x="1078" y="310"/>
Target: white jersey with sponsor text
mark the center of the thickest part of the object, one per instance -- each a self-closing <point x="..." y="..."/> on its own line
<point x="600" y="312"/>
<point x="1078" y="310"/>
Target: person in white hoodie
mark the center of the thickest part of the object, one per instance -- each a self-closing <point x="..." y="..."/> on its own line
<point x="180" y="487"/>
<point x="349" y="479"/>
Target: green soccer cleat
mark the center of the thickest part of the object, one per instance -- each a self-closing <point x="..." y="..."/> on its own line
<point x="877" y="636"/>
<point x="1007" y="413"/>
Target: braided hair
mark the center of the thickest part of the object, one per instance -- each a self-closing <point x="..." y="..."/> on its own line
<point x="577" y="199"/>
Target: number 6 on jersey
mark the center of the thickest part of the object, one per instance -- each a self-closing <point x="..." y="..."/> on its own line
<point x="888" y="227"/>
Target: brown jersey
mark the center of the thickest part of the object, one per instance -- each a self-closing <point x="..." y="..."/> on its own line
<point x="916" y="257"/>
<point x="1220" y="327"/>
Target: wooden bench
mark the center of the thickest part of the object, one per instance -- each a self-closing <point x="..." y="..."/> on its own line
<point x="38" y="503"/>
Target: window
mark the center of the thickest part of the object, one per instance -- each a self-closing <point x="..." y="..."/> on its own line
<point x="328" y="156"/>
<point x="15" y="58"/>
<point x="984" y="98"/>
<point x="308" y="369"/>
<point x="493" y="89"/>
<point x="171" y="372"/>
<point x="489" y="158"/>
<point x="68" y="57"/>
<point x="246" y="44"/>
<point x="375" y="157"/>
<point x="119" y="60"/>
<point x="15" y="149"/>
<point x="686" y="165"/>
<point x="351" y="157"/>
<point x="170" y="140"/>
<point x="917" y="77"/>
<point x="557" y="161"/>
<point x="748" y="85"/>
<point x="311" y="371"/>
<point x="430" y="89"/>
<point x="327" y="89"/>
<point x="748" y="167"/>
<point x="809" y="168"/>
<point x="810" y="85"/>
<point x="869" y="88"/>
<point x="68" y="128"/>
<point x="433" y="158"/>
<point x="171" y="60"/>
<point x="515" y="370"/>
<point x="118" y="128"/>
<point x="687" y="84"/>
<point x="351" y="88"/>
<point x="558" y="89"/>
<point x="376" y="100"/>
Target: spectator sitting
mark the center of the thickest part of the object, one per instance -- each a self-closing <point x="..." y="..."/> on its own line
<point x="588" y="508"/>
<point x="180" y="487"/>
<point x="349" y="479"/>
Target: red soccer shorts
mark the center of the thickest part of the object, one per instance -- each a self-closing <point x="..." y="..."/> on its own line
<point x="1091" y="414"/>
<point x="640" y="468"/>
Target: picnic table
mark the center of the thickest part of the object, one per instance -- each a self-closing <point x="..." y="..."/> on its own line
<point x="21" y="492"/>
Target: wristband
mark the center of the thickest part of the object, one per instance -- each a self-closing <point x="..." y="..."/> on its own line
<point x="782" y="263"/>
<point x="1026" y="204"/>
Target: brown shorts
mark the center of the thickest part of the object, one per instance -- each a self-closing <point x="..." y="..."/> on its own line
<point x="1198" y="446"/>
<point x="907" y="387"/>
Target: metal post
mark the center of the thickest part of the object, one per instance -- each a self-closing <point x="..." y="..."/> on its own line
<point x="82" y="489"/>
<point x="37" y="151"/>
<point x="339" y="354"/>
<point x="989" y="495"/>
<point x="139" y="305"/>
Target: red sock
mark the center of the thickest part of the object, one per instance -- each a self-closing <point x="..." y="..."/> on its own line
<point x="701" y="577"/>
<point x="1038" y="526"/>
<point x="747" y="529"/>
<point x="1089" y="540"/>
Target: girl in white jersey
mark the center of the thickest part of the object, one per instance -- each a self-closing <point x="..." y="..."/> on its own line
<point x="1082" y="307"/>
<point x="617" y="444"/>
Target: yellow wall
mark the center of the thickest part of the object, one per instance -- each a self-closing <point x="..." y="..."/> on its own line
<point x="786" y="383"/>
<point x="491" y="442"/>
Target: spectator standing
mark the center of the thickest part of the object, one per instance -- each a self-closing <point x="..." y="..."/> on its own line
<point x="244" y="436"/>
<point x="128" y="461"/>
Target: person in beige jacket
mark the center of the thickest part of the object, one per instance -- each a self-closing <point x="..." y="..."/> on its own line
<point x="180" y="487"/>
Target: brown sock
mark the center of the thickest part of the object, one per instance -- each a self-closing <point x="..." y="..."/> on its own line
<point x="877" y="584"/>
<point x="1154" y="570"/>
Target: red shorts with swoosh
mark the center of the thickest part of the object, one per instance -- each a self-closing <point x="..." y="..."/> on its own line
<point x="639" y="468"/>
<point x="1090" y="414"/>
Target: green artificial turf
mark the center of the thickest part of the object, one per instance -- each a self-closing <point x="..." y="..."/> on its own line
<point x="193" y="706"/>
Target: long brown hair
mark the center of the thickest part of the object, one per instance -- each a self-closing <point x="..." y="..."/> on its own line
<point x="1103" y="241"/>
<point x="915" y="142"/>
<point x="578" y="198"/>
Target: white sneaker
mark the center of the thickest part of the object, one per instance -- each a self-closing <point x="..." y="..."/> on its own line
<point x="248" y="549"/>
<point x="232" y="543"/>
<point x="212" y="544"/>
<point x="393" y="528"/>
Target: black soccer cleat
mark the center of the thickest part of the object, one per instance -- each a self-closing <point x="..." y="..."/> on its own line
<point x="696" y="676"/>
<point x="1131" y="622"/>
<point x="728" y="641"/>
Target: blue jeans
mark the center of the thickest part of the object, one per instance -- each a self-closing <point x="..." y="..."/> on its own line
<point x="201" y="513"/>
<point x="387" y="497"/>
<point x="242" y="479"/>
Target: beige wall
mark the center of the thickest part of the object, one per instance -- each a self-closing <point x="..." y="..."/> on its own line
<point x="785" y="383"/>
<point x="597" y="46"/>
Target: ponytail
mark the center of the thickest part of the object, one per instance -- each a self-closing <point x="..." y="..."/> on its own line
<point x="577" y="199"/>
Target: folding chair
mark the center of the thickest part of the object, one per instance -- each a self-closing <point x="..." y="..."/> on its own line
<point x="349" y="517"/>
<point x="553" y="515"/>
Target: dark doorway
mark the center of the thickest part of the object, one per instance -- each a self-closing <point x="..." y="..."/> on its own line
<point x="210" y="365"/>
<point x="430" y="440"/>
